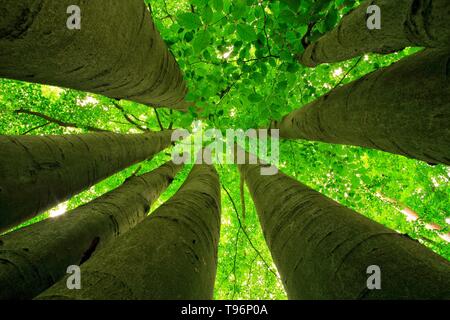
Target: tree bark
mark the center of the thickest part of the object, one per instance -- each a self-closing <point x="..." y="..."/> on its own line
<point x="404" y="23"/>
<point x="322" y="249"/>
<point x="35" y="257"/>
<point x="117" y="52"/>
<point x="38" y="172"/>
<point x="171" y="255"/>
<point x="402" y="109"/>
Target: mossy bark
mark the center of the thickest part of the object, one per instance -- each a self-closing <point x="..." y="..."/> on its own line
<point x="38" y="172"/>
<point x="170" y="255"/>
<point x="322" y="249"/>
<point x="35" y="257"/>
<point x="117" y="52"/>
<point x="404" y="23"/>
<point x="402" y="109"/>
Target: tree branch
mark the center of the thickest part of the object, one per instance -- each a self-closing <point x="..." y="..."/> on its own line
<point x="59" y="122"/>
<point x="246" y="234"/>
<point x="167" y="12"/>
<point x="158" y="119"/>
<point x="348" y="72"/>
<point x="35" y="128"/>
<point x="128" y="118"/>
<point x="305" y="41"/>
<point x="171" y="122"/>
<point x="265" y="31"/>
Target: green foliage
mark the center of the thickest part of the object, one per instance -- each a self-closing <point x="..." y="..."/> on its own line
<point x="238" y="60"/>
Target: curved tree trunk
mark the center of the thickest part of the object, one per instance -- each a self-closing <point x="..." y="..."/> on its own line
<point x="117" y="52"/>
<point x="171" y="255"/>
<point x="402" y="109"/>
<point x="404" y="23"/>
<point x="38" y="172"/>
<point x="37" y="256"/>
<point x="323" y="250"/>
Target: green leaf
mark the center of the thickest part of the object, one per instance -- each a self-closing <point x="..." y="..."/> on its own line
<point x="331" y="19"/>
<point x="288" y="16"/>
<point x="188" y="36"/>
<point x="189" y="20"/>
<point x="246" y="32"/>
<point x="293" y="67"/>
<point x="239" y="9"/>
<point x="201" y="41"/>
<point x="207" y="15"/>
<point x="254" y="97"/>
<point x="293" y="4"/>
<point x="217" y="5"/>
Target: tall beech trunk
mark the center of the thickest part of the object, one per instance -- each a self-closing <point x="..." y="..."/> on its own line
<point x="117" y="52"/>
<point x="402" y="109"/>
<point x="34" y="258"/>
<point x="170" y="255"/>
<point x="38" y="172"/>
<point x="404" y="23"/>
<point x="322" y="249"/>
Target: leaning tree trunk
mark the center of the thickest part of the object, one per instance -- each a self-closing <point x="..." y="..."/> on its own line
<point x="34" y="258"/>
<point x="404" y="23"/>
<point x="323" y="250"/>
<point x="38" y="172"/>
<point x="402" y="109"/>
<point x="117" y="52"/>
<point x="171" y="255"/>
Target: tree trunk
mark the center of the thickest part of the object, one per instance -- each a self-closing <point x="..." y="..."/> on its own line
<point x="402" y="109"/>
<point x="171" y="255"/>
<point x="38" y="172"/>
<point x="322" y="249"/>
<point x="117" y="52"/>
<point x="404" y="23"/>
<point x="38" y="256"/>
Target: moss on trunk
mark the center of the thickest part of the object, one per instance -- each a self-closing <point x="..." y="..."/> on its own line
<point x="170" y="255"/>
<point x="402" y="109"/>
<point x="322" y="249"/>
<point x="117" y="52"/>
<point x="404" y="23"/>
<point x="38" y="172"/>
<point x="35" y="257"/>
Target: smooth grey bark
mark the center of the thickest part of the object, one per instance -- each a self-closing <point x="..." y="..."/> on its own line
<point x="322" y="249"/>
<point x="38" y="172"/>
<point x="170" y="255"/>
<point x="35" y="257"/>
<point x="404" y="23"/>
<point x="117" y="52"/>
<point x="402" y="109"/>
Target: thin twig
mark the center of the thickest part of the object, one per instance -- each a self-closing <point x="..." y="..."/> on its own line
<point x="35" y="128"/>
<point x="305" y="41"/>
<point x="167" y="12"/>
<point x="171" y="121"/>
<point x="242" y="194"/>
<point x="348" y="72"/>
<point x="158" y="119"/>
<point x="236" y="247"/>
<point x="265" y="31"/>
<point x="149" y="6"/>
<point x="59" y="122"/>
<point x="257" y="59"/>
<point x="128" y="118"/>
<point x="245" y="232"/>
